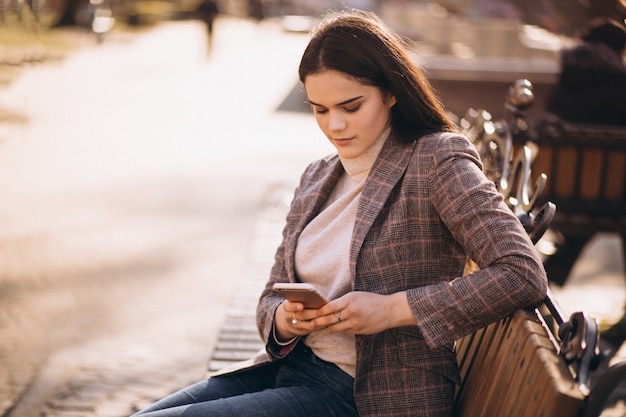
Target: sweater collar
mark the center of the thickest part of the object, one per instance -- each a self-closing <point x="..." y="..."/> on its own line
<point x="360" y="166"/>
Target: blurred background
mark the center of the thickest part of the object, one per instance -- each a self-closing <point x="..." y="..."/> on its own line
<point x="463" y="42"/>
<point x="559" y="16"/>
<point x="143" y="143"/>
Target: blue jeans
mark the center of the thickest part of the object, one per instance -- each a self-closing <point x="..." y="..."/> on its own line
<point x="300" y="385"/>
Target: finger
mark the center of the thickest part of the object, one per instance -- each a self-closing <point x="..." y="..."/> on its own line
<point x="326" y="321"/>
<point x="300" y="321"/>
<point x="304" y="327"/>
<point x="335" y="305"/>
<point x="290" y="307"/>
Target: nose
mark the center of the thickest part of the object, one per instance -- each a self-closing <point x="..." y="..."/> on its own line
<point x="336" y="122"/>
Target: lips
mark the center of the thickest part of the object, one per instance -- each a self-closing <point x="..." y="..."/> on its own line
<point x="342" y="141"/>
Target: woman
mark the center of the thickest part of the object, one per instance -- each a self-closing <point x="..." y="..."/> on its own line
<point x="383" y="229"/>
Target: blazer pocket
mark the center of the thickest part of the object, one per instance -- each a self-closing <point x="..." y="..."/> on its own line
<point x="414" y="352"/>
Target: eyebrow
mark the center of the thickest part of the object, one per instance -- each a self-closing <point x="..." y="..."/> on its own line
<point x="343" y="103"/>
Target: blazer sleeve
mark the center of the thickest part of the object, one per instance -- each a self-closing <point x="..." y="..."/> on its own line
<point x="306" y="195"/>
<point x="511" y="275"/>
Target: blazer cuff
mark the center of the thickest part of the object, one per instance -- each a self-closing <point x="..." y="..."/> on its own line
<point x="278" y="349"/>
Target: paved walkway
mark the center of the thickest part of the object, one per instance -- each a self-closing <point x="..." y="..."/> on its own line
<point x="131" y="380"/>
<point x="128" y="199"/>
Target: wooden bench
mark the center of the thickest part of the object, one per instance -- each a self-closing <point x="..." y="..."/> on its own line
<point x="518" y="367"/>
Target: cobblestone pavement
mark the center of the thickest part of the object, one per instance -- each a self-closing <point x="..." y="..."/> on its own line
<point x="133" y="379"/>
<point x="116" y="378"/>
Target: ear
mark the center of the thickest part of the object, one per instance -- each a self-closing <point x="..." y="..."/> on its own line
<point x="391" y="99"/>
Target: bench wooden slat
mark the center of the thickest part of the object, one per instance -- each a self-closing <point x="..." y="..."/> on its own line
<point x="480" y="362"/>
<point x="508" y="368"/>
<point x="591" y="182"/>
<point x="502" y="370"/>
<point x="616" y="183"/>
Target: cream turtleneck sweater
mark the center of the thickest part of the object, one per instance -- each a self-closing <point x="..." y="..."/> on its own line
<point x="323" y="252"/>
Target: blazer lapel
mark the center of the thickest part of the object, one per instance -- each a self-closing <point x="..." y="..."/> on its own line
<point x="387" y="171"/>
<point x="312" y="201"/>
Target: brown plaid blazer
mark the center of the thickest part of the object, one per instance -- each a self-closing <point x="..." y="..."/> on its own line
<point x="425" y="208"/>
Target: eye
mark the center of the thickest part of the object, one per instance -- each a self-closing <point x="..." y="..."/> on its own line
<point x="353" y="109"/>
<point x="319" y="110"/>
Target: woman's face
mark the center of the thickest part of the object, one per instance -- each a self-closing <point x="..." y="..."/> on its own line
<point x="351" y="115"/>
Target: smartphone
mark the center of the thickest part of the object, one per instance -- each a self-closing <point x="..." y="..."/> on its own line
<point x="300" y="293"/>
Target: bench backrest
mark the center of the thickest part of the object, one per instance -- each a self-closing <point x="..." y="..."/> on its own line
<point x="512" y="368"/>
<point x="586" y="166"/>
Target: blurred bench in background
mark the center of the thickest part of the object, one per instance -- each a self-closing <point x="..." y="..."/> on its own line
<point x="586" y="165"/>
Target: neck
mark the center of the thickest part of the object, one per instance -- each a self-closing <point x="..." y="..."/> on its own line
<point x="361" y="165"/>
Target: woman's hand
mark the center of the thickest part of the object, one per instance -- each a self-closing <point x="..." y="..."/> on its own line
<point x="292" y="319"/>
<point x="365" y="313"/>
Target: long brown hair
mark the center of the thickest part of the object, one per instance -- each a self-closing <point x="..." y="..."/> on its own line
<point x="360" y="45"/>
